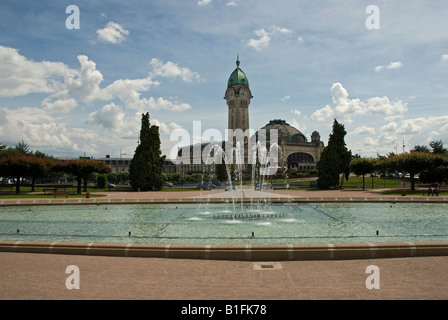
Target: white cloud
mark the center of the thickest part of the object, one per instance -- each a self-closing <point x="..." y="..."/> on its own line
<point x="423" y="125"/>
<point x="296" y="112"/>
<point x="86" y="82"/>
<point x="384" y="106"/>
<point x="390" y="66"/>
<point x="128" y="91"/>
<point x="264" y="37"/>
<point x="20" y="76"/>
<point x="296" y="123"/>
<point x="204" y="2"/>
<point x="394" y="65"/>
<point x="411" y="131"/>
<point x="285" y="98"/>
<point x="262" y="42"/>
<point x="444" y="58"/>
<point x="60" y="105"/>
<point x="370" y="142"/>
<point x="363" y="130"/>
<point x="409" y="126"/>
<point x="301" y="40"/>
<point x="345" y="109"/>
<point x="86" y="86"/>
<point x="109" y="116"/>
<point x="444" y="128"/>
<point x="3" y="117"/>
<point x="394" y="117"/>
<point x="390" y="127"/>
<point x="38" y="129"/>
<point x="165" y="128"/>
<point x="112" y="33"/>
<point x="233" y="3"/>
<point x="158" y="104"/>
<point x="277" y="29"/>
<point x="172" y="70"/>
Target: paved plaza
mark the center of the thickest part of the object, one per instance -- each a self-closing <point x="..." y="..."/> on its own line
<point x="43" y="276"/>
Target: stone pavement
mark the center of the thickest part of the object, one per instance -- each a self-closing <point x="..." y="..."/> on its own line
<point x="42" y="276"/>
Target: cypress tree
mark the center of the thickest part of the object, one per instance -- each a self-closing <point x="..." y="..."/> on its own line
<point x="335" y="159"/>
<point x="145" y="169"/>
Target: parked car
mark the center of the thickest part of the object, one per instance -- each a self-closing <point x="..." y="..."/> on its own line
<point x="206" y="186"/>
<point x="6" y="181"/>
<point x="168" y="184"/>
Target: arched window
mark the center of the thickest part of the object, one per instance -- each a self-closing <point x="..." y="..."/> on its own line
<point x="300" y="157"/>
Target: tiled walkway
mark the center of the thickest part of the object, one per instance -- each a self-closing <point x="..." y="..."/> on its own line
<point x="41" y="276"/>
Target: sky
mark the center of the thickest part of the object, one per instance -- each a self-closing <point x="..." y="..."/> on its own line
<point x="74" y="87"/>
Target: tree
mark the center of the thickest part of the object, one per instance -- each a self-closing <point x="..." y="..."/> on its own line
<point x="146" y="167"/>
<point x="14" y="165"/>
<point x="82" y="169"/>
<point x="421" y="149"/>
<point x="436" y="175"/>
<point x="23" y="148"/>
<point x="221" y="172"/>
<point x="413" y="163"/>
<point x="362" y="166"/>
<point x="20" y="166"/>
<point x="335" y="159"/>
<point x="20" y="162"/>
<point x="437" y="147"/>
<point x="40" y="166"/>
<point x="102" y="181"/>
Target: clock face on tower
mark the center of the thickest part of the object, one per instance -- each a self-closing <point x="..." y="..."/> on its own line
<point x="243" y="94"/>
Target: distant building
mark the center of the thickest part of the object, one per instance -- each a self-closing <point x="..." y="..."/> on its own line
<point x="296" y="152"/>
<point x="120" y="165"/>
<point x="169" y="167"/>
<point x="117" y="165"/>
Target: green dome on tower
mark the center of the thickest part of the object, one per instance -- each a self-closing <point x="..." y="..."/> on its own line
<point x="238" y="77"/>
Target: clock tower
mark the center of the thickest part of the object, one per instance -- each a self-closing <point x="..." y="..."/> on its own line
<point x="238" y="96"/>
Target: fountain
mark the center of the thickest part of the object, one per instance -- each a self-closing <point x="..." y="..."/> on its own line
<point x="251" y="201"/>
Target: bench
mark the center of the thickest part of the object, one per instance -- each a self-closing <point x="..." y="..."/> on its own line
<point x="66" y="194"/>
<point x="7" y="186"/>
<point x="52" y="190"/>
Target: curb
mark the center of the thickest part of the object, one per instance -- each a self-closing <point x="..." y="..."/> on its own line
<point x="15" y="202"/>
<point x="236" y="252"/>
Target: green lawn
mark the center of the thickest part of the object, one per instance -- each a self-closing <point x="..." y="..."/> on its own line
<point x="47" y="196"/>
<point x="356" y="183"/>
<point x="417" y="192"/>
<point x="377" y="183"/>
<point x="177" y="190"/>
